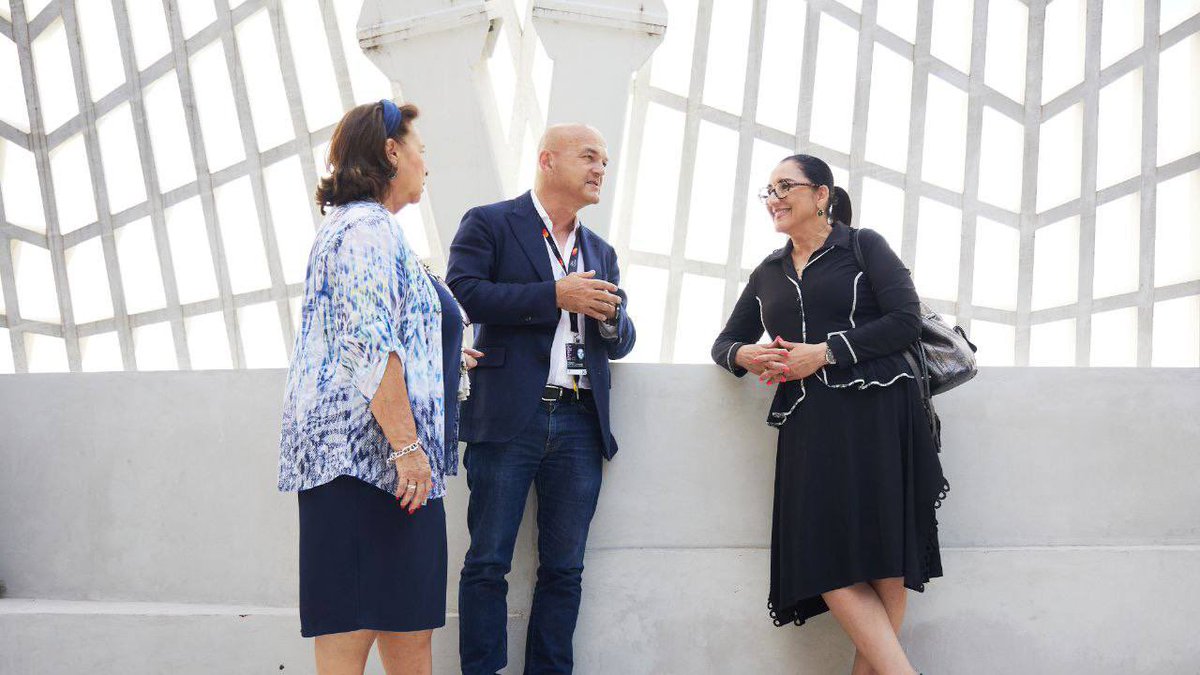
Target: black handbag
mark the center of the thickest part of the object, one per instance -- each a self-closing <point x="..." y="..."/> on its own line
<point x="943" y="357"/>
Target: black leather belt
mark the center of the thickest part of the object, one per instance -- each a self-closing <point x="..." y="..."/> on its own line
<point x="553" y="393"/>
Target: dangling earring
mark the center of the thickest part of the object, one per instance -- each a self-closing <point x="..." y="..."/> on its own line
<point x="820" y="212"/>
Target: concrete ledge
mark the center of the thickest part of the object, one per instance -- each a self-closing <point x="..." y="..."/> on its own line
<point x="37" y="607"/>
<point x="1071" y="534"/>
<point x="160" y="486"/>
<point x="1035" y="456"/>
<point x="1073" y="610"/>
<point x="1030" y="611"/>
<point x="1072" y="456"/>
<point x="695" y="611"/>
<point x="50" y="637"/>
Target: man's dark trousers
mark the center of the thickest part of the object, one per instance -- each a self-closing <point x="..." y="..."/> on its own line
<point x="559" y="453"/>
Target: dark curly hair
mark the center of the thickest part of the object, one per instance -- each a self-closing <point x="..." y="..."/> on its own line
<point x="357" y="161"/>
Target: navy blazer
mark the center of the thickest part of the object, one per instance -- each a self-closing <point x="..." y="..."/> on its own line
<point x="499" y="270"/>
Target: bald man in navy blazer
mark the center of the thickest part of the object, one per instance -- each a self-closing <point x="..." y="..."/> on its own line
<point x="543" y="293"/>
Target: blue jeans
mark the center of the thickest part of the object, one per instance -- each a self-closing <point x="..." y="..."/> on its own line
<point x="559" y="453"/>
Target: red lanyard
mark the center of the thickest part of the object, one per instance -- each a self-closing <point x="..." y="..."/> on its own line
<point x="568" y="267"/>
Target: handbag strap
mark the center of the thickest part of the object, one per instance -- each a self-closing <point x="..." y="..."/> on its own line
<point x="915" y="357"/>
<point x="858" y="255"/>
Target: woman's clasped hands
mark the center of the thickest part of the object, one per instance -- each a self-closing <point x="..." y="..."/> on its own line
<point x="782" y="361"/>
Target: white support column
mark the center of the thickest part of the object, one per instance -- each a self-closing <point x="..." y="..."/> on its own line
<point x="436" y="50"/>
<point x="597" y="46"/>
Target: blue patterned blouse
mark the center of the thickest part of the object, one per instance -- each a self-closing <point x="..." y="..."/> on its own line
<point x="366" y="295"/>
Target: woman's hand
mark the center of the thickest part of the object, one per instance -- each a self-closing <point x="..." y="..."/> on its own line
<point x="414" y="480"/>
<point x="471" y="357"/>
<point x="755" y="358"/>
<point x="802" y="360"/>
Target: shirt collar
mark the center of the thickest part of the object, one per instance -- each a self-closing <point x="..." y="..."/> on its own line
<point x="541" y="211"/>
<point x="839" y="236"/>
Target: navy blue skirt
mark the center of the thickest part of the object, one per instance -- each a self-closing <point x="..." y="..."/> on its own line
<point x="365" y="563"/>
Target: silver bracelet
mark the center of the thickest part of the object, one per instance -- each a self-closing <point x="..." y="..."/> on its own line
<point x="406" y="450"/>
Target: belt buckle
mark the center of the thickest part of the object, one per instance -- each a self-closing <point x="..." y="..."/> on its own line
<point x="551" y="400"/>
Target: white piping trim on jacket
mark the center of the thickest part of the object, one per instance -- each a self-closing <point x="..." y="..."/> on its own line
<point x="860" y="382"/>
<point x="761" y="318"/>
<point x="818" y="257"/>
<point x="854" y="298"/>
<point x="782" y="417"/>
<point x="803" y="320"/>
<point x="852" y="354"/>
<point x="779" y="419"/>
<point x="728" y="354"/>
<point x="842" y="334"/>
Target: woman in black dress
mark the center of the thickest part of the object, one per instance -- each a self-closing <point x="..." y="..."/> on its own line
<point x="857" y="476"/>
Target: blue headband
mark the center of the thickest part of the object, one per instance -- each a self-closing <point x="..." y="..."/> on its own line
<point x="391" y="117"/>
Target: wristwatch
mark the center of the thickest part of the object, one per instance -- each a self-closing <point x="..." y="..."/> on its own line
<point x="829" y="358"/>
<point x="616" y="318"/>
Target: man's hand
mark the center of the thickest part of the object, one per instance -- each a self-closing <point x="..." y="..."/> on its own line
<point x="581" y="293"/>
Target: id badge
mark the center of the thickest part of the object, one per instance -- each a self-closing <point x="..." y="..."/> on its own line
<point x="575" y="354"/>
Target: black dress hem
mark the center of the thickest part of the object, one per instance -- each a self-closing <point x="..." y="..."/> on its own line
<point x="806" y="607"/>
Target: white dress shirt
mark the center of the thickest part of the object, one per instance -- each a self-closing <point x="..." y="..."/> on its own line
<point x="562" y="334"/>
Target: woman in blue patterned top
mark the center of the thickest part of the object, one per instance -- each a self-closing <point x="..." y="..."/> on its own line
<point x="369" y="422"/>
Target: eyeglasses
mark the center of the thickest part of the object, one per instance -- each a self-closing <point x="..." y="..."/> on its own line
<point x="781" y="191"/>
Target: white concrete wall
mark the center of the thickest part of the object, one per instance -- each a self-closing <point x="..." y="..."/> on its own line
<point x="140" y="531"/>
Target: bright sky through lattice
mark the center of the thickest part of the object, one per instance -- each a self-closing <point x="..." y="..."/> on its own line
<point x="207" y="257"/>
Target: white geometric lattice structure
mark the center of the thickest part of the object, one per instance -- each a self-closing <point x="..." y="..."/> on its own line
<point x="1036" y="164"/>
<point x="158" y="176"/>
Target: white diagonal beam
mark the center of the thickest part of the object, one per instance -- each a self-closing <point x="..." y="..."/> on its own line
<point x="112" y="264"/>
<point x="41" y="151"/>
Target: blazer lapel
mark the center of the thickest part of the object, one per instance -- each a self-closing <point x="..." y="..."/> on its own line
<point x="526" y="226"/>
<point x="593" y="253"/>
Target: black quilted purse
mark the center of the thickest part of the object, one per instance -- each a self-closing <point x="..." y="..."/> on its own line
<point x="943" y="356"/>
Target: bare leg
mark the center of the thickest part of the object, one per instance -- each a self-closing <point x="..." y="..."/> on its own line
<point x="861" y="666"/>
<point x="406" y="653"/>
<point x="862" y="615"/>
<point x="343" y="653"/>
<point x="895" y="598"/>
